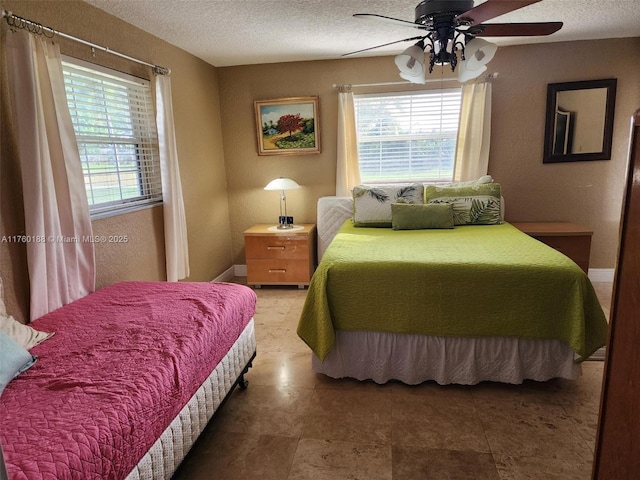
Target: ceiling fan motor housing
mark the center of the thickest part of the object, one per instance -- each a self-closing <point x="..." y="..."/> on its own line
<point x="428" y="9"/>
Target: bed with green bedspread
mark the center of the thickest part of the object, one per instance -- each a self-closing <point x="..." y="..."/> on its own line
<point x="470" y="281"/>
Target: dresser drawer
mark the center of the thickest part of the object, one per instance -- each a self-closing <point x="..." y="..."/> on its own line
<point x="280" y="246"/>
<point x="265" y="271"/>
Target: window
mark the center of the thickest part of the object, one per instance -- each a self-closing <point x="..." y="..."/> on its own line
<point x="407" y="137"/>
<point x="114" y="123"/>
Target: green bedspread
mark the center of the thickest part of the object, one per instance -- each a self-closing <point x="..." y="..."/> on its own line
<point x="471" y="281"/>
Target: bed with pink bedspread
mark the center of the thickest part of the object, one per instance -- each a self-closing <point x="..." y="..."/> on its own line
<point x="124" y="362"/>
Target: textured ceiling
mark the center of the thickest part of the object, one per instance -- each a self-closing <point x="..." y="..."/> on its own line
<point x="242" y="32"/>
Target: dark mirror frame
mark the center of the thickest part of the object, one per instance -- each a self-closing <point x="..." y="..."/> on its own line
<point x="552" y="92"/>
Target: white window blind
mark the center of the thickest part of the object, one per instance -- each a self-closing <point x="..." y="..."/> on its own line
<point x="407" y="136"/>
<point x="114" y="122"/>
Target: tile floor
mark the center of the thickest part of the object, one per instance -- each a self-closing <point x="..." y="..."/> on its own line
<point x="292" y="424"/>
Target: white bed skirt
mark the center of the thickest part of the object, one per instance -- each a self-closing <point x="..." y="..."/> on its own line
<point x="164" y="457"/>
<point x="413" y="359"/>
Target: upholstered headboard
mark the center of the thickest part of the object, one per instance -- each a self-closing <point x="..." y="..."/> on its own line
<point x="332" y="213"/>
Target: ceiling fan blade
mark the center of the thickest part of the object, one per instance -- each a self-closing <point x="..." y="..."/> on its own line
<point x="514" y="29"/>
<point x="384" y="45"/>
<point x="493" y="8"/>
<point x="397" y="21"/>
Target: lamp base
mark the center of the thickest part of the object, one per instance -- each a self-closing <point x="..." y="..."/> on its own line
<point x="290" y="228"/>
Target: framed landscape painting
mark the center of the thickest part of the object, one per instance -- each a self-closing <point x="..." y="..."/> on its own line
<point x="288" y="126"/>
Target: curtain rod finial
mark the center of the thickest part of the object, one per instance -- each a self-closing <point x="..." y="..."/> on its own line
<point x="161" y="70"/>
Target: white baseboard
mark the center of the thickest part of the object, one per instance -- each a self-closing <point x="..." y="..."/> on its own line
<point x="240" y="270"/>
<point x="604" y="275"/>
<point x="225" y="276"/>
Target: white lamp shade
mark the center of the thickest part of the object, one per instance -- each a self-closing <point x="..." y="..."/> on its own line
<point x="478" y="52"/>
<point x="414" y="78"/>
<point x="411" y="61"/>
<point x="465" y="74"/>
<point x="282" y="183"/>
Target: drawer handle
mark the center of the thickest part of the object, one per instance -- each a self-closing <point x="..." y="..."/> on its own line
<point x="277" y="247"/>
<point x="277" y="270"/>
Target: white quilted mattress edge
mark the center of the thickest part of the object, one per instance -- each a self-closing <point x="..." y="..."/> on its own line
<point x="164" y="457"/>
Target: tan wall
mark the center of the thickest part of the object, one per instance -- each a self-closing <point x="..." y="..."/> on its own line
<point x="589" y="193"/>
<point x="199" y="142"/>
<point x="247" y="172"/>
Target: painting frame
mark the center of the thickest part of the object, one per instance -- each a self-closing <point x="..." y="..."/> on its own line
<point x="300" y="114"/>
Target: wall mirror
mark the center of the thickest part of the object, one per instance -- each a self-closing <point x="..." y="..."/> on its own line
<point x="579" y="121"/>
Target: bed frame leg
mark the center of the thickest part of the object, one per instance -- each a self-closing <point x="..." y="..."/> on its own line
<point x="243" y="383"/>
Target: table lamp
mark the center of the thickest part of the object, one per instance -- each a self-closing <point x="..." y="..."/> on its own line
<point x="283" y="184"/>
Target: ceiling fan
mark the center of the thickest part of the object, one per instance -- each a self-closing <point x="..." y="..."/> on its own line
<point x="450" y="26"/>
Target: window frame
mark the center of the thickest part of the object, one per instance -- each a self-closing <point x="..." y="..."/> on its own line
<point x="408" y="136"/>
<point x="144" y="142"/>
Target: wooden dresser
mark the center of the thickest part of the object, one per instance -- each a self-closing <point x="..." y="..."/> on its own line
<point x="280" y="257"/>
<point x="616" y="455"/>
<point x="571" y="239"/>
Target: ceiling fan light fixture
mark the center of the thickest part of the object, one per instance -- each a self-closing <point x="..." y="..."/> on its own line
<point x="465" y="73"/>
<point x="450" y="29"/>
<point x="419" y="79"/>
<point x="478" y="52"/>
<point x="411" y="61"/>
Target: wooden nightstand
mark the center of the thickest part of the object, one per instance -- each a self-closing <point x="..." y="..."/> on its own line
<point x="280" y="257"/>
<point x="571" y="239"/>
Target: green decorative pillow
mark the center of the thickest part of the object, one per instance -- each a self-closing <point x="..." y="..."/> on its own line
<point x="372" y="203"/>
<point x="405" y="216"/>
<point x="472" y="205"/>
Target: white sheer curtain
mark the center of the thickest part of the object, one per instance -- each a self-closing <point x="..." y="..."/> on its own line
<point x="347" y="171"/>
<point x="175" y="225"/>
<point x="474" y="132"/>
<point x="60" y="255"/>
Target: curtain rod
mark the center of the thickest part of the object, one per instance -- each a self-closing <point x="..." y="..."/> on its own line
<point x="384" y="84"/>
<point x="487" y="77"/>
<point x="36" y="28"/>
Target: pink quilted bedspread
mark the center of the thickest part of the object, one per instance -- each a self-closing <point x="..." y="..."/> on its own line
<point x="122" y="364"/>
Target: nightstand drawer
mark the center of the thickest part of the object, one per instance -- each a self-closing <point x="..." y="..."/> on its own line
<point x="278" y="271"/>
<point x="576" y="248"/>
<point x="569" y="239"/>
<point x="290" y="247"/>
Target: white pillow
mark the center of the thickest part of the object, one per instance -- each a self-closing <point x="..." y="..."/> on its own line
<point x="372" y="203"/>
<point x="23" y="335"/>
<point x="477" y="181"/>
